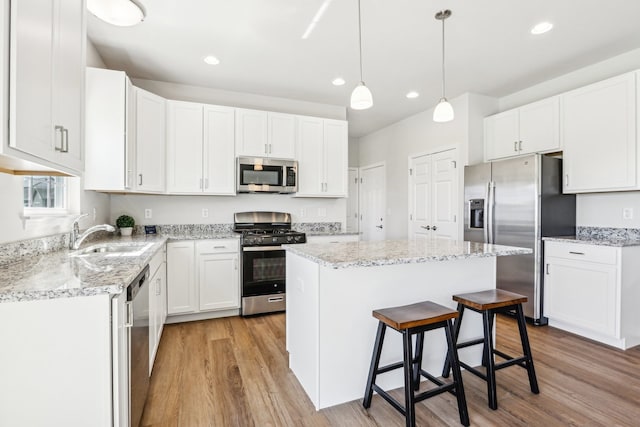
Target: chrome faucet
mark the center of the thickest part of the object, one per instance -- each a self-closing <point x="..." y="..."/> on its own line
<point x="76" y="238"/>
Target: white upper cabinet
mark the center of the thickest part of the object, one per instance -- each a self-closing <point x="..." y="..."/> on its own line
<point x="219" y="150"/>
<point x="109" y="131"/>
<point x="533" y="128"/>
<point x="200" y="149"/>
<point x="322" y="153"/>
<point x="599" y="136"/>
<point x="264" y="134"/>
<point x="150" y="142"/>
<point x="47" y="80"/>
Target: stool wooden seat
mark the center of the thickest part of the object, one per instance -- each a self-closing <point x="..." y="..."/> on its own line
<point x="489" y="303"/>
<point x="409" y="320"/>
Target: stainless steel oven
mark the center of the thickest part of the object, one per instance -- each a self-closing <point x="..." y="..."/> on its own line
<point x="263" y="259"/>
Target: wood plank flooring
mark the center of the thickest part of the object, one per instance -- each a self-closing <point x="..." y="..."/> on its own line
<point x="234" y="372"/>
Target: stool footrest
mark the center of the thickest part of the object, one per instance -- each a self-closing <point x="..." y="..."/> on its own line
<point x="473" y="370"/>
<point x="435" y="391"/>
<point x="470" y="343"/>
<point x="386" y="396"/>
<point x="390" y="367"/>
<point x="520" y="361"/>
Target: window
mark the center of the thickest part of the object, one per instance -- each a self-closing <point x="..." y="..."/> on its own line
<point x="45" y="193"/>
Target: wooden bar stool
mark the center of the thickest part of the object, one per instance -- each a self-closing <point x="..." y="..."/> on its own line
<point x="409" y="320"/>
<point x="489" y="303"/>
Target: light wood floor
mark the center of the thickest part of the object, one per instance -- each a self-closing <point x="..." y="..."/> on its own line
<point x="234" y="372"/>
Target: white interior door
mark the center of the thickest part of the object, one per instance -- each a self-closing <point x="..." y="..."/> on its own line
<point x="445" y="194"/>
<point x="352" y="201"/>
<point x="372" y="202"/>
<point x="419" y="197"/>
<point x="433" y="195"/>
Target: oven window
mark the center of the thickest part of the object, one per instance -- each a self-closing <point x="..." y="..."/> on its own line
<point x="268" y="269"/>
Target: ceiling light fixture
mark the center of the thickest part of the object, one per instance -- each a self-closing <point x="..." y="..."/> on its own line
<point x="413" y="94"/>
<point x="211" y="60"/>
<point x="338" y="81"/>
<point x="122" y="13"/>
<point x="361" y="97"/>
<point x="443" y="111"/>
<point x="541" y="28"/>
<point x="316" y="18"/>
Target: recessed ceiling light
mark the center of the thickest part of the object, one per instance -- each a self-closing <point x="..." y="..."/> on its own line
<point x="211" y="60"/>
<point x="541" y="28"/>
<point x="338" y="81"/>
<point x="412" y="94"/>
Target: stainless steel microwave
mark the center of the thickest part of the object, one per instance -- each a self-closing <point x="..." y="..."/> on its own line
<point x="262" y="175"/>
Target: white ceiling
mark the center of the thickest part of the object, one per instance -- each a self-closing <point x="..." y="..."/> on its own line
<point x="489" y="48"/>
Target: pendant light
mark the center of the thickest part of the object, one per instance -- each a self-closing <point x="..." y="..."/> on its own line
<point x="443" y="111"/>
<point x="361" y="97"/>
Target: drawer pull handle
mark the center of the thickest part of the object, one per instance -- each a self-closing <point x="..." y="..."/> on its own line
<point x="276" y="299"/>
<point x="219" y="247"/>
<point x="576" y="253"/>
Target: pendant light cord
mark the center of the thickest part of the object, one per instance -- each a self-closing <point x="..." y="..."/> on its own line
<point x="442" y="57"/>
<point x="360" y="39"/>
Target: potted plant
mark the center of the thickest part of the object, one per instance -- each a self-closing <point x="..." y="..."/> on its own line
<point x="125" y="223"/>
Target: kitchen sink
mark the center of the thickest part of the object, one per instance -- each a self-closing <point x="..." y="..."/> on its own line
<point x="114" y="249"/>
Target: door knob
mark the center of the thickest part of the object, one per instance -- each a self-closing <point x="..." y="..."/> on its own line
<point x="434" y="228"/>
<point x="428" y="227"/>
<point x="379" y="226"/>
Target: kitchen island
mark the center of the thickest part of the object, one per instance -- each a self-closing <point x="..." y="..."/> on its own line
<point x="332" y="289"/>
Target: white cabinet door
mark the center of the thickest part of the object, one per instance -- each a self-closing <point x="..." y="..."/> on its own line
<point x="501" y="135"/>
<point x="310" y="153"/>
<point x="540" y="126"/>
<point x="282" y="136"/>
<point x="219" y="150"/>
<point x="150" y="142"/>
<point x="182" y="294"/>
<point x="336" y="161"/>
<point x="47" y="79"/>
<point x="583" y="294"/>
<point x="184" y="147"/>
<point x="251" y="133"/>
<point x="218" y="281"/>
<point x="157" y="311"/>
<point x="109" y="149"/>
<point x="599" y="136"/>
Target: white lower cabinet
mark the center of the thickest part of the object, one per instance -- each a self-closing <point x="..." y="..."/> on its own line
<point x="203" y="276"/>
<point x="590" y="290"/>
<point x="157" y="303"/>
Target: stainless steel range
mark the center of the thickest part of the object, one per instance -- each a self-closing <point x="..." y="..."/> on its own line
<point x="264" y="260"/>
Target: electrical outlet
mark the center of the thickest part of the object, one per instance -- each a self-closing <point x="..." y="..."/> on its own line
<point x="303" y="212"/>
<point x="148" y="213"/>
<point x="322" y="212"/>
<point x="95" y="214"/>
<point x="205" y="213"/>
<point x="627" y="213"/>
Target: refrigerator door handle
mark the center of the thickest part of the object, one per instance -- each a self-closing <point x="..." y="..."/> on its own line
<point x="490" y="220"/>
<point x="487" y="217"/>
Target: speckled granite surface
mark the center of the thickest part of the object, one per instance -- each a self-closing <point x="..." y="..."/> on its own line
<point x="63" y="273"/>
<point x="390" y="252"/>
<point x="317" y="228"/>
<point x="602" y="236"/>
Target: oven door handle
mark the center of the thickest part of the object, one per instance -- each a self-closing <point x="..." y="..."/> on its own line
<point x="262" y="248"/>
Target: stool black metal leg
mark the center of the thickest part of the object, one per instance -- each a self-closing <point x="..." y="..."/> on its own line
<point x="484" y="350"/>
<point x="409" y="405"/>
<point x="456" y="331"/>
<point x="417" y="366"/>
<point x="375" y="360"/>
<point x="488" y="352"/>
<point x="526" y="349"/>
<point x="457" y="375"/>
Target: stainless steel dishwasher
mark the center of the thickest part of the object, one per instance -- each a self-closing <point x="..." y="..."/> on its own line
<point x="138" y="324"/>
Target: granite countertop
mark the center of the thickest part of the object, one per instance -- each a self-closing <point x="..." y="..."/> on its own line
<point x="390" y="252"/>
<point x="64" y="273"/>
<point x="594" y="240"/>
<point x="188" y="235"/>
<point x="332" y="233"/>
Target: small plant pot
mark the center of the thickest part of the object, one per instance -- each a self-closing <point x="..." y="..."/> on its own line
<point x="126" y="231"/>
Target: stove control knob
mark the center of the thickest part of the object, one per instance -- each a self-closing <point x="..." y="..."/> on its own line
<point x="299" y="239"/>
<point x="290" y="238"/>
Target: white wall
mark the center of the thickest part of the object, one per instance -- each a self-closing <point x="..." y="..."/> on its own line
<point x="596" y="209"/>
<point x="188" y="209"/>
<point x="354" y="152"/>
<point x="182" y="92"/>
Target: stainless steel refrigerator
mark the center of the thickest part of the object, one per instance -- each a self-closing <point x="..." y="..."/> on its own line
<point x="516" y="202"/>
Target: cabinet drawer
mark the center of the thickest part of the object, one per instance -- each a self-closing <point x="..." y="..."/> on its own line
<point x="217" y="246"/>
<point x="582" y="252"/>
